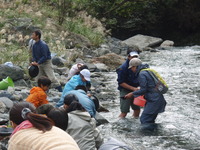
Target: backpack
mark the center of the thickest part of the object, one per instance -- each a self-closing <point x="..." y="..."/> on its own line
<point x="161" y="85"/>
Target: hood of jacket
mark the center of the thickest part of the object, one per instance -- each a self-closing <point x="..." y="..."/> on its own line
<point x="140" y="67"/>
<point x="82" y="114"/>
<point x="36" y="89"/>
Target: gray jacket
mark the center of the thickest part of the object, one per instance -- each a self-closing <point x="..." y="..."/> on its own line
<point x="83" y="129"/>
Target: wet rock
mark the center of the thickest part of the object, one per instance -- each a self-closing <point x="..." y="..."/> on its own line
<point x="100" y="119"/>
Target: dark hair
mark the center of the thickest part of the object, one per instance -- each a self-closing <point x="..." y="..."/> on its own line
<point x="38" y="33"/>
<point x="44" y="109"/>
<point x="44" y="81"/>
<point x="132" y="49"/>
<point x="68" y="99"/>
<point x="59" y="117"/>
<point x="82" y="87"/>
<point x="72" y="102"/>
<point x="38" y="121"/>
<point x="83" y="67"/>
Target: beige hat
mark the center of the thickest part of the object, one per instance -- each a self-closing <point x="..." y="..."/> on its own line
<point x="134" y="62"/>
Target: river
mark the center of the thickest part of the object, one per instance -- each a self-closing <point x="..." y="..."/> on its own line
<point x="178" y="127"/>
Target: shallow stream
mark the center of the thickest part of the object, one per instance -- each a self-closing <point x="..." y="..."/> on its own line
<point x="179" y="126"/>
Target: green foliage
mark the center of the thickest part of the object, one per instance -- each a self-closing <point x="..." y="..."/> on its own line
<point x="76" y="26"/>
<point x="15" y="54"/>
<point x="25" y="1"/>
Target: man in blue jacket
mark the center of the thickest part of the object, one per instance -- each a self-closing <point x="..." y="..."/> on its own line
<point x="127" y="82"/>
<point x="155" y="101"/>
<point x="42" y="58"/>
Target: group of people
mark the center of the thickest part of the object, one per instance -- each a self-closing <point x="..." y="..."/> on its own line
<point x="71" y="123"/>
<point x="133" y="83"/>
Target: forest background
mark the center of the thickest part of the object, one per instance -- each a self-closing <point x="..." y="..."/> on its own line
<point x="93" y="21"/>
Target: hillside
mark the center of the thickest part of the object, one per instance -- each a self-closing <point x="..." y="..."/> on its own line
<point x="19" y="18"/>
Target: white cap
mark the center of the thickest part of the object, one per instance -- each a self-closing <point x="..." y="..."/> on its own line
<point x="134" y="53"/>
<point x="86" y="74"/>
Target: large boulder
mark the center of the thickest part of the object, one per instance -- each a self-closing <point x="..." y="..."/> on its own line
<point x="111" y="60"/>
<point x="14" y="72"/>
<point x="167" y="43"/>
<point x="143" y="41"/>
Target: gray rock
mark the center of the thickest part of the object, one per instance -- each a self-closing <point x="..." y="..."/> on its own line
<point x="167" y="43"/>
<point x="15" y="72"/>
<point x="104" y="49"/>
<point x="143" y="41"/>
<point x="16" y="97"/>
<point x="100" y="119"/>
<point x="102" y="67"/>
<point x="61" y="70"/>
<point x="21" y="82"/>
<point x="24" y="93"/>
<point x="5" y="94"/>
<point x="7" y="102"/>
<point x="4" y="116"/>
<point x="91" y="67"/>
<point x="57" y="61"/>
<point x="3" y="108"/>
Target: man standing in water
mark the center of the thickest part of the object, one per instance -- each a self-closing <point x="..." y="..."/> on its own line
<point x="42" y="58"/>
<point x="127" y="82"/>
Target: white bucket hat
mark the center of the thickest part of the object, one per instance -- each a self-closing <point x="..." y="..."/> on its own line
<point x="86" y="74"/>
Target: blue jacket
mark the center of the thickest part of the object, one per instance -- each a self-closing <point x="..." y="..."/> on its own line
<point x="155" y="101"/>
<point x="70" y="85"/>
<point x="125" y="75"/>
<point x="85" y="101"/>
<point x="41" y="52"/>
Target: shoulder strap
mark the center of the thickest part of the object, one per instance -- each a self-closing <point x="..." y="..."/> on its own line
<point x="155" y="75"/>
<point x="152" y="74"/>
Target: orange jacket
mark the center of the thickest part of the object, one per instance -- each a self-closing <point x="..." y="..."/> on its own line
<point x="37" y="97"/>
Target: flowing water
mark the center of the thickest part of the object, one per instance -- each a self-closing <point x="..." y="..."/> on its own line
<point x="178" y="128"/>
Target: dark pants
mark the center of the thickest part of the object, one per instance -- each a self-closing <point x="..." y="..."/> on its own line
<point x="148" y="118"/>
